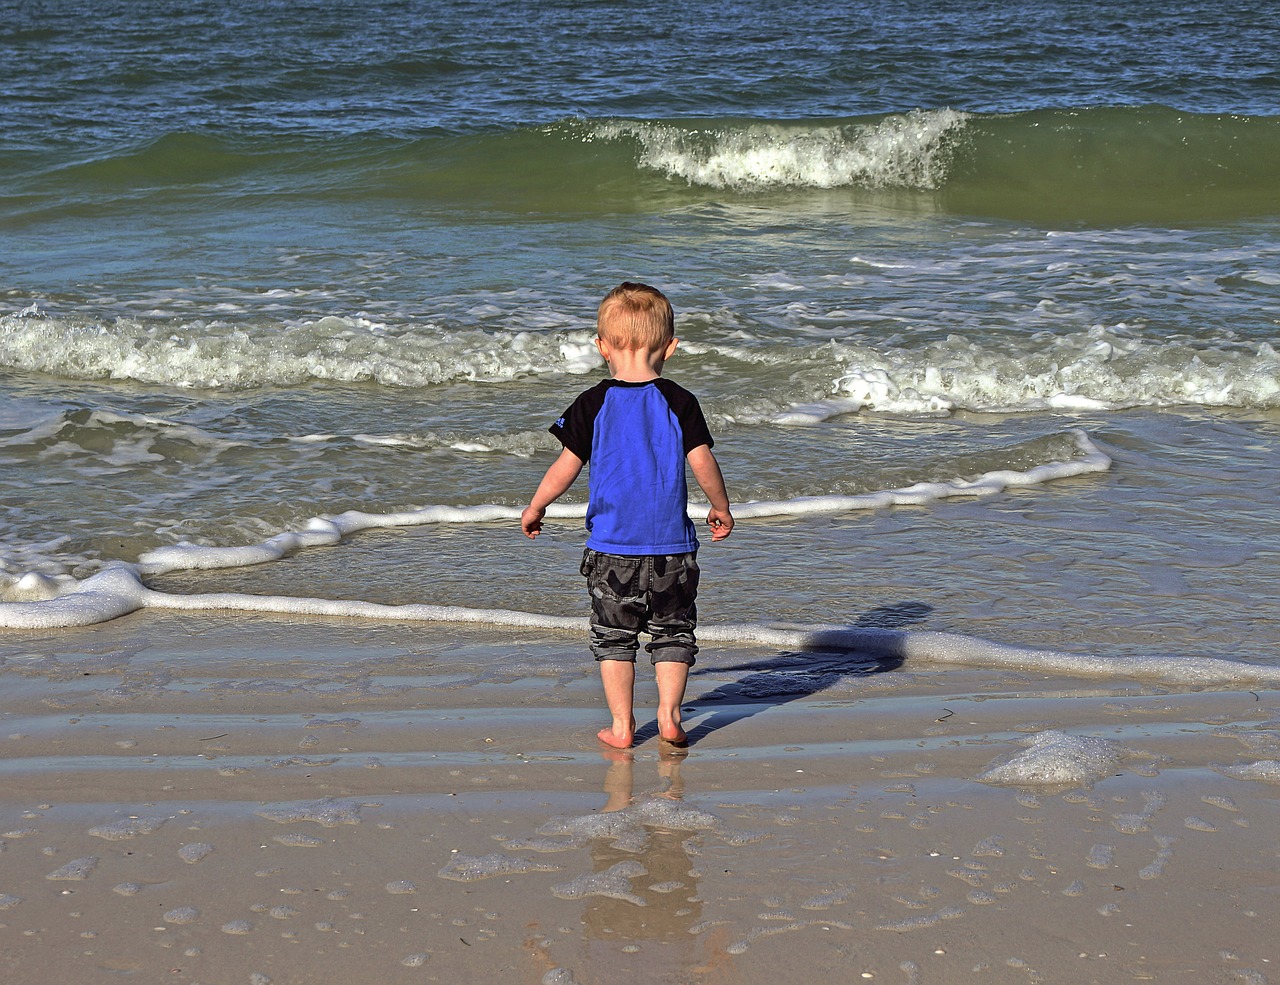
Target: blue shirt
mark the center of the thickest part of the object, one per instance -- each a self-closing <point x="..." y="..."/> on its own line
<point x="636" y="437"/>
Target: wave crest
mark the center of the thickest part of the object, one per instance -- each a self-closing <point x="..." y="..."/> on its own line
<point x="221" y="356"/>
<point x="912" y="151"/>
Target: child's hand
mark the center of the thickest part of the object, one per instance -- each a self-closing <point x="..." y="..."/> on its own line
<point x="721" y="523"/>
<point x="531" y="521"/>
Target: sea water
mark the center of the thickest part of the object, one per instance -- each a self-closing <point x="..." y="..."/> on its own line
<point x="981" y="303"/>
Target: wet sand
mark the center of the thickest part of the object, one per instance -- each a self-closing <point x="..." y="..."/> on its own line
<point x="239" y="799"/>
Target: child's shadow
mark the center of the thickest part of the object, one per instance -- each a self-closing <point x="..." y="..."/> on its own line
<point x="797" y="674"/>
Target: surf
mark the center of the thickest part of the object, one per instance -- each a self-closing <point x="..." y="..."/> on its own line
<point x="1100" y="165"/>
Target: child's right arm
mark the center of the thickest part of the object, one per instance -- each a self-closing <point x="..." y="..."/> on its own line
<point x="706" y="470"/>
<point x="564" y="470"/>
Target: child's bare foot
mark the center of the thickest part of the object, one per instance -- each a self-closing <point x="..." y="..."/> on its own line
<point x="618" y="738"/>
<point x="672" y="733"/>
<point x="679" y="738"/>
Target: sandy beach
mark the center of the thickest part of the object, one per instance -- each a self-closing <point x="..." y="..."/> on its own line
<point x="193" y="798"/>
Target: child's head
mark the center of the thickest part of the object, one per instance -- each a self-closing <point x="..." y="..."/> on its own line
<point x="636" y="316"/>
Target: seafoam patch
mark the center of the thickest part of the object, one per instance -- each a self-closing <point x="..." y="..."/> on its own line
<point x="328" y="813"/>
<point x="1265" y="770"/>
<point x="472" y="868"/>
<point x="1055" y="758"/>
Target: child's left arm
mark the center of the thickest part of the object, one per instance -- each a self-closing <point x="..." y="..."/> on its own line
<point x="706" y="470"/>
<point x="564" y="470"/>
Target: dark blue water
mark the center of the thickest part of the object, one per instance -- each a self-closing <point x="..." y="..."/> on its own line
<point x="88" y="73"/>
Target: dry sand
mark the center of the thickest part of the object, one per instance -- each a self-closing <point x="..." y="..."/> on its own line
<point x="232" y="800"/>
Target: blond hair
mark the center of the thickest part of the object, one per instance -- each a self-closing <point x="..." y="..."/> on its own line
<point x="636" y="316"/>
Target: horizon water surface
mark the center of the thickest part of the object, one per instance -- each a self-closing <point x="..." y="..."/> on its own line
<point x="265" y="268"/>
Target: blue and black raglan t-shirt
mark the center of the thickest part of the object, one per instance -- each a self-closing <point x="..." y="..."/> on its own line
<point x="635" y="437"/>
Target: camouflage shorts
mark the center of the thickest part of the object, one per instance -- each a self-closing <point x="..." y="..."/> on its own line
<point x="653" y="594"/>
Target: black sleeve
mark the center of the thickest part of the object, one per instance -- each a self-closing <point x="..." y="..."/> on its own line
<point x="693" y="425"/>
<point x="576" y="426"/>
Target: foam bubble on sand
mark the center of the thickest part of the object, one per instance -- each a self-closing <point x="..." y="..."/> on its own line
<point x="1100" y="857"/>
<point x="1265" y="770"/>
<point x="1156" y="868"/>
<point x="296" y="839"/>
<point x="1136" y="823"/>
<point x="401" y="887"/>
<point x="126" y="889"/>
<point x="559" y="976"/>
<point x="1056" y="758"/>
<point x="182" y="915"/>
<point x="825" y="900"/>
<point x="923" y="922"/>
<point x="193" y="853"/>
<point x="8" y="902"/>
<point x="471" y="868"/>
<point x="18" y="833"/>
<point x="328" y="813"/>
<point x="620" y="827"/>
<point x="756" y="933"/>
<point x="627" y="828"/>
<point x="126" y="828"/>
<point x="301" y="761"/>
<point x="237" y="927"/>
<point x="613" y="883"/>
<point x="77" y="868"/>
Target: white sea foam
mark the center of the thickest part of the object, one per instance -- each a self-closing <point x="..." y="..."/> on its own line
<point x="75" y="870"/>
<point x="126" y="828"/>
<point x="613" y="883"/>
<point x="1266" y="771"/>
<point x="227" y="356"/>
<point x="911" y="150"/>
<point x="471" y="868"/>
<point x="119" y="590"/>
<point x="1090" y="460"/>
<point x="1054" y="758"/>
<point x="1104" y="367"/>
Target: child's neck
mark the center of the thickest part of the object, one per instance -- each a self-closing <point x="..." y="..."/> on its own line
<point x="635" y="365"/>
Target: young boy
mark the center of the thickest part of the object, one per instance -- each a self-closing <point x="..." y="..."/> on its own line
<point x="637" y="430"/>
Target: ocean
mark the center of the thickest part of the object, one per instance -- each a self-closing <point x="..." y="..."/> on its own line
<point x="266" y="265"/>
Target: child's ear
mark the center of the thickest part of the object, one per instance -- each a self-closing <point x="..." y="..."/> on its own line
<point x="603" y="348"/>
<point x="671" y="348"/>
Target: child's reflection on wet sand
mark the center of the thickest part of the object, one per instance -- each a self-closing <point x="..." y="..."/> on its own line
<point x="663" y="902"/>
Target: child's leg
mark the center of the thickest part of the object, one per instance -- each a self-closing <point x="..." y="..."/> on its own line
<point x="672" y="678"/>
<point x="619" y="679"/>
<point x="617" y="616"/>
<point x="675" y="615"/>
